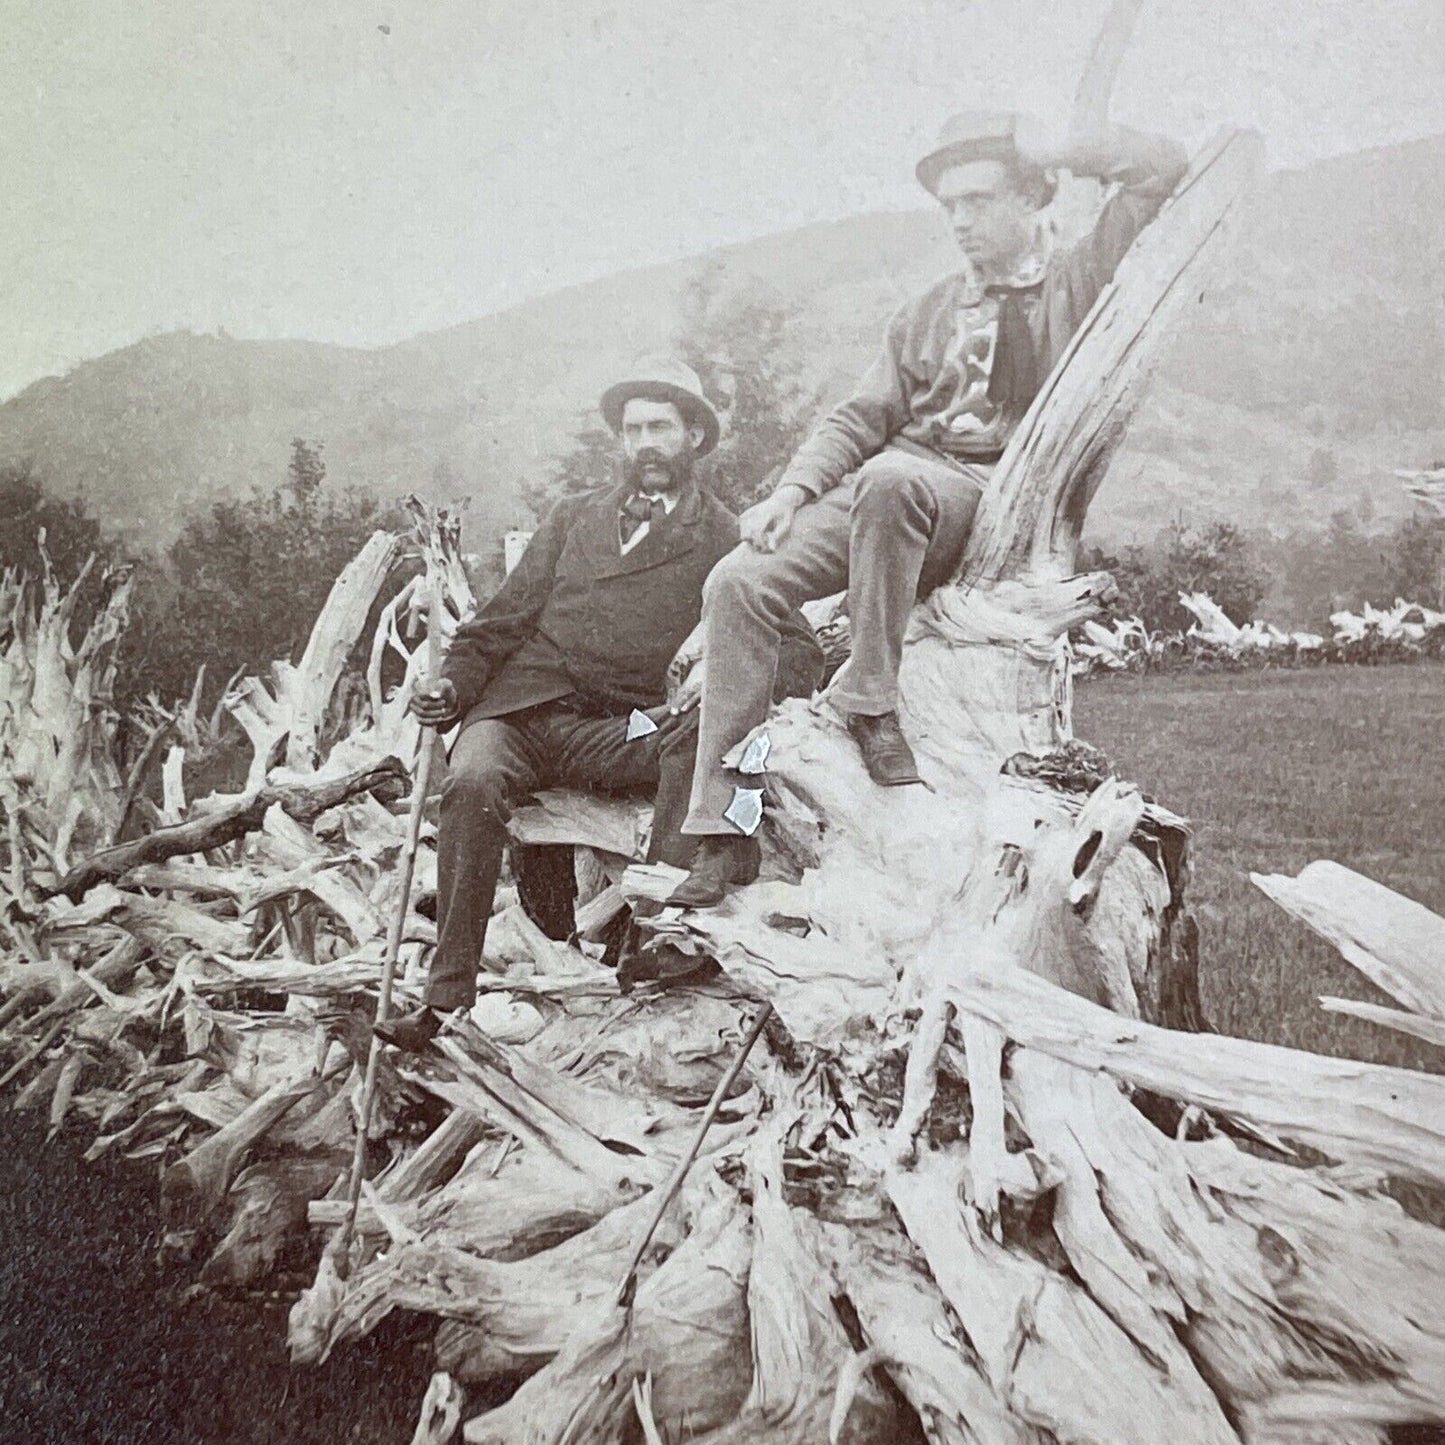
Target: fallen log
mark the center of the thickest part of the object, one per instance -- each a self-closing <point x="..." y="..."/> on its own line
<point x="225" y="823"/>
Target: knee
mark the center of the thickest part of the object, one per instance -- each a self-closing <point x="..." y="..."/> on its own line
<point x="738" y="587"/>
<point x="887" y="487"/>
<point x="476" y="793"/>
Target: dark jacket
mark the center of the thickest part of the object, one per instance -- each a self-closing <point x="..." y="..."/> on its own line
<point x="575" y="616"/>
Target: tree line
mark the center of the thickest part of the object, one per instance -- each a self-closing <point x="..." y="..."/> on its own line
<point x="1306" y="573"/>
<point x="239" y="586"/>
<point x="245" y="577"/>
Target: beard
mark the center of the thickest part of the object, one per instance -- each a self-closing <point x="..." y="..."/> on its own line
<point x="675" y="471"/>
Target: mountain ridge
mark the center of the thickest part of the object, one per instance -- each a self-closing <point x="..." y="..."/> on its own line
<point x="1312" y="367"/>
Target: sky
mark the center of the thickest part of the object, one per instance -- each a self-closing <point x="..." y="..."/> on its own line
<point x="358" y="171"/>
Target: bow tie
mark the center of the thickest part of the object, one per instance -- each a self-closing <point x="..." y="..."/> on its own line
<point x="641" y="507"/>
<point x="638" y="509"/>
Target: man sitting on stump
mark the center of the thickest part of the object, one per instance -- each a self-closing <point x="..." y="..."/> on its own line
<point x="548" y="674"/>
<point x="881" y="497"/>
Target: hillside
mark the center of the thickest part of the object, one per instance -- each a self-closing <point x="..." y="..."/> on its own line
<point x="1319" y="354"/>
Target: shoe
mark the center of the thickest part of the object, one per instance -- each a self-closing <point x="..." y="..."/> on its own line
<point x="722" y="860"/>
<point x="410" y="1033"/>
<point x="885" y="750"/>
<point x="661" y="963"/>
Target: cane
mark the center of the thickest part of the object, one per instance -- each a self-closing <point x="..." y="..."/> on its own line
<point x="393" y="937"/>
<point x="668" y="1192"/>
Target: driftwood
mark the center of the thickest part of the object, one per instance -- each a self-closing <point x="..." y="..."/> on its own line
<point x="441" y="1411"/>
<point x="930" y="1207"/>
<point x="230" y="821"/>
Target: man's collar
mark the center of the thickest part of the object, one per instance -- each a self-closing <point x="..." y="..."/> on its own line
<point x="686" y="497"/>
<point x="668" y="499"/>
<point x="1027" y="271"/>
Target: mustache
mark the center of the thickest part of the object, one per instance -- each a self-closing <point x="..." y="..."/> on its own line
<point x="678" y="468"/>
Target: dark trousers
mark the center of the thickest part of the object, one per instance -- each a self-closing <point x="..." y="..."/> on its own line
<point x="497" y="761"/>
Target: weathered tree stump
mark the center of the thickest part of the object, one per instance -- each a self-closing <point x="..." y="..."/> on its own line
<point x="949" y="1232"/>
<point x="932" y="1207"/>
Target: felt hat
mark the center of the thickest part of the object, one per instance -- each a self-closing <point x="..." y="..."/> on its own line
<point x="663" y="378"/>
<point x="976" y="135"/>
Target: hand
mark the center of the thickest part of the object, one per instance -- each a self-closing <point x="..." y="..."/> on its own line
<point x="765" y="525"/>
<point x="685" y="659"/>
<point x="433" y="702"/>
<point x="688" y="693"/>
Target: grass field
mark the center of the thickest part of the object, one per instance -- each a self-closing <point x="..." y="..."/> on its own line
<point x="1275" y="769"/>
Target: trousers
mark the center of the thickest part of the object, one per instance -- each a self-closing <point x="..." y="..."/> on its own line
<point x="890" y="534"/>
<point x="494" y="763"/>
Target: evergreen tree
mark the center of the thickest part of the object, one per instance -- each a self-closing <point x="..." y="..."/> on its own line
<point x="243" y="582"/>
<point x="743" y="344"/>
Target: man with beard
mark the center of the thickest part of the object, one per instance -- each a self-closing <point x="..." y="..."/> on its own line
<point x="881" y="497"/>
<point x="547" y="677"/>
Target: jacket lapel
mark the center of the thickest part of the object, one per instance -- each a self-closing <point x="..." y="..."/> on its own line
<point x="592" y="542"/>
<point x="666" y="540"/>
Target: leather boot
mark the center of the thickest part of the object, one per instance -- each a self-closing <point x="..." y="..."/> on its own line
<point x="661" y="963"/>
<point x="885" y="750"/>
<point x="722" y="860"/>
<point x="410" y="1032"/>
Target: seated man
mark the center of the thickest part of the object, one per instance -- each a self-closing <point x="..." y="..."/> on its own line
<point x="881" y="497"/>
<point x="547" y="674"/>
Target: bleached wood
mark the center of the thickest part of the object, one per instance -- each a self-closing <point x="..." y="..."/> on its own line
<point x="334" y="635"/>
<point x="1390" y="1119"/>
<point x="1096" y="85"/>
<point x="193" y="1186"/>
<point x="1420" y="1026"/>
<point x="441" y="1411"/>
<point x="688" y="1328"/>
<point x="609" y="824"/>
<point x="1043" y="1342"/>
<point x="1398" y="944"/>
<point x="268" y="1205"/>
<point x="512" y="1317"/>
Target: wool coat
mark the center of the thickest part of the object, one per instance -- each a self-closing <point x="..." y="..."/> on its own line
<point x="578" y="618"/>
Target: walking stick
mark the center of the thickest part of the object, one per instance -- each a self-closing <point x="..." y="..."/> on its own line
<point x="427" y="744"/>
<point x="669" y="1191"/>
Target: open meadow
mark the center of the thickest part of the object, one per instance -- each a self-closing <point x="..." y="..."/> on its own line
<point x="1276" y="768"/>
